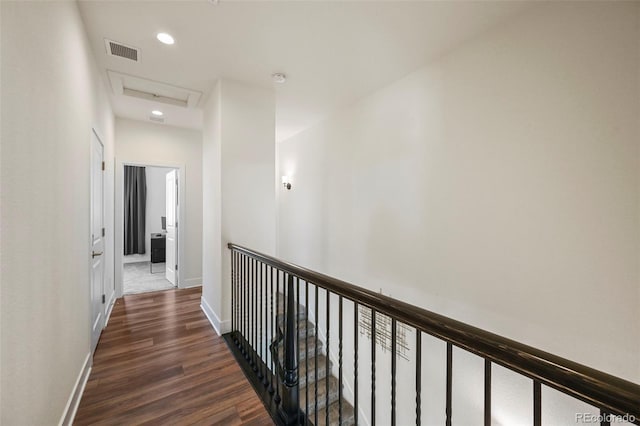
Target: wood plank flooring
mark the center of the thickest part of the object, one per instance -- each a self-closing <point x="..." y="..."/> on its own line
<point x="159" y="361"/>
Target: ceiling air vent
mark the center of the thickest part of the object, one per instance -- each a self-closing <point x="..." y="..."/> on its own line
<point x="154" y="91"/>
<point x="118" y="49"/>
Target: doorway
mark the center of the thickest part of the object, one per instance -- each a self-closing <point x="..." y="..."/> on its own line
<point x="97" y="267"/>
<point x="151" y="210"/>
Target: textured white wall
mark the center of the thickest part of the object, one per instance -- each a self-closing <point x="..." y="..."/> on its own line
<point x="52" y="97"/>
<point x="498" y="185"/>
<point x="211" y="197"/>
<point x="138" y="142"/>
<point x="239" y="156"/>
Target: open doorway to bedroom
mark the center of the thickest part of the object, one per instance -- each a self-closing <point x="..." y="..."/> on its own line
<point x="150" y="228"/>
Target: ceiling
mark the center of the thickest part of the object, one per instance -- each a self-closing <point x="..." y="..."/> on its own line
<point x="333" y="52"/>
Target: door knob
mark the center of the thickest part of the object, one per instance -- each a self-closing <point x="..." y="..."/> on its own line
<point x="94" y="254"/>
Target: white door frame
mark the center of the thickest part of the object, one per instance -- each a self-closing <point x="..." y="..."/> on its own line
<point x="119" y="218"/>
<point x="89" y="255"/>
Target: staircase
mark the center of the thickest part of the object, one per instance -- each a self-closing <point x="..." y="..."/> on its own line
<point x="294" y="393"/>
<point x="309" y="384"/>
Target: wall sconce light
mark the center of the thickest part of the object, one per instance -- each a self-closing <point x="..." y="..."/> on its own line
<point x="286" y="182"/>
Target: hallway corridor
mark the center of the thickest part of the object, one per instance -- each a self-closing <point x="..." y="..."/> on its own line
<point x="159" y="361"/>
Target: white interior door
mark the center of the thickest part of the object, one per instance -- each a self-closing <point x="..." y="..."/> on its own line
<point x="172" y="227"/>
<point x="97" y="240"/>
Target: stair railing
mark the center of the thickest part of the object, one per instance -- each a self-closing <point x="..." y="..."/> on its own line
<point x="271" y="301"/>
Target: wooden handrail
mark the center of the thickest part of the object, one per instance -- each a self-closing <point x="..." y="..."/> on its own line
<point x="607" y="392"/>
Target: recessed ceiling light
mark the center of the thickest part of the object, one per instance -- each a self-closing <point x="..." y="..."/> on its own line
<point x="157" y="113"/>
<point x="279" y="78"/>
<point x="165" y="38"/>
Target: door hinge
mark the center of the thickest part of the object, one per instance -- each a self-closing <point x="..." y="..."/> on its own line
<point x="103" y="165"/>
<point x="103" y="298"/>
<point x="176" y="266"/>
<point x="103" y="232"/>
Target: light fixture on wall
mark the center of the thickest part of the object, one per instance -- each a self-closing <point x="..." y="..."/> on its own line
<point x="286" y="182"/>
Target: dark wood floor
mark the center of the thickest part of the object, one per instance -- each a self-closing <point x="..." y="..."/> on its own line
<point x="159" y="361"/>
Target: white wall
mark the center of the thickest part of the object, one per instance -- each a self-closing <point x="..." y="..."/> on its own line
<point x="211" y="205"/>
<point x="239" y="160"/>
<point x="498" y="185"/>
<point x="156" y="200"/>
<point x="143" y="143"/>
<point x="52" y="98"/>
<point x="156" y="207"/>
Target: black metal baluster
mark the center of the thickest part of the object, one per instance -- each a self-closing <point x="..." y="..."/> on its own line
<point x="254" y="330"/>
<point x="355" y="361"/>
<point x="306" y="353"/>
<point x="265" y="317"/>
<point x="249" y="309"/>
<point x="247" y="301"/>
<point x="238" y="292"/>
<point x="248" y="297"/>
<point x="259" y="318"/>
<point x="373" y="367"/>
<point x="233" y="292"/>
<point x="277" y="330"/>
<point x="393" y="372"/>
<point x="237" y="299"/>
<point x="271" y="319"/>
<point x="245" y="309"/>
<point x="315" y="413"/>
<point x="297" y="312"/>
<point x="263" y="339"/>
<point x="340" y="360"/>
<point x="449" y="381"/>
<point x="289" y="410"/>
<point x="537" y="403"/>
<point x="265" y="305"/>
<point x="487" y="392"/>
<point x="327" y="375"/>
<point x="418" y="377"/>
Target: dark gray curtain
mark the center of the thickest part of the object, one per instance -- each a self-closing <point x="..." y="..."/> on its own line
<point x="135" y="202"/>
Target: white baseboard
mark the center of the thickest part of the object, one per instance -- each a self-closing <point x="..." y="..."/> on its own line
<point x="110" y="304"/>
<point x="71" y="408"/>
<point x="192" y="282"/>
<point x="221" y="327"/>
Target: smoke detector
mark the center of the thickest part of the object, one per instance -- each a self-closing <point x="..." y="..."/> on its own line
<point x="279" y="78"/>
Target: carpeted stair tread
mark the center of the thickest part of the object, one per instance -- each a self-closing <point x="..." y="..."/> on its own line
<point x="304" y="349"/>
<point x="348" y="417"/>
<point x="305" y="328"/>
<point x="322" y="394"/>
<point x="307" y="358"/>
<point x="282" y="303"/>
<point x="322" y="370"/>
